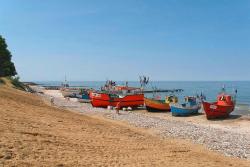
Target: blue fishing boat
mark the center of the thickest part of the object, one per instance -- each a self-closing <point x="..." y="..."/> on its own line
<point x="190" y="107"/>
<point x="84" y="97"/>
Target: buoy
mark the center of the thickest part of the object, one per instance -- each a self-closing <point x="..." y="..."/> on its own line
<point x="109" y="107"/>
<point x="129" y="108"/>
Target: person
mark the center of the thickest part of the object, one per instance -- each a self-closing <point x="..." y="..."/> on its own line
<point x="117" y="108"/>
<point x="52" y="100"/>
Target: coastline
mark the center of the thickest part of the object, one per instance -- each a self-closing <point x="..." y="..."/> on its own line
<point x="242" y="109"/>
<point x="72" y="134"/>
<point x="209" y="88"/>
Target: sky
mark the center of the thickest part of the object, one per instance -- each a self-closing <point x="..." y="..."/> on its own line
<point x="93" y="40"/>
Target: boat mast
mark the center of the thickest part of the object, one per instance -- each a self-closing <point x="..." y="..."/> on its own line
<point x="65" y="82"/>
<point x="143" y="81"/>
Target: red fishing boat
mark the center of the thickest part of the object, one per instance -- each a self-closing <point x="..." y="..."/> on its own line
<point x="221" y="108"/>
<point x="104" y="99"/>
<point x="117" y="96"/>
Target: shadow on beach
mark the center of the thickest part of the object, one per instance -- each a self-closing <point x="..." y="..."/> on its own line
<point x="245" y="118"/>
<point x="231" y="117"/>
<point x="191" y="115"/>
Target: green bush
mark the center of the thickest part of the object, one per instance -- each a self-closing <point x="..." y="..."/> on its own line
<point x="1" y="81"/>
<point x="17" y="83"/>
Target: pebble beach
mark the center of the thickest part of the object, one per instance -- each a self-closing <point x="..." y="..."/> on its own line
<point x="231" y="137"/>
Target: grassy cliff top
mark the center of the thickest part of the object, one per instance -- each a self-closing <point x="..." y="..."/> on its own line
<point x="12" y="82"/>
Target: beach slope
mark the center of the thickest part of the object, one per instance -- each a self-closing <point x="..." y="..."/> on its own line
<point x="33" y="133"/>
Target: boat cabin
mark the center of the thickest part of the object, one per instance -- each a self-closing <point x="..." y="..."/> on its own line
<point x="127" y="90"/>
<point x="191" y="100"/>
<point x="224" y="99"/>
<point x="171" y="99"/>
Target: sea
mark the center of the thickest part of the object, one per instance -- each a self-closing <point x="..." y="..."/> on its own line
<point x="191" y="88"/>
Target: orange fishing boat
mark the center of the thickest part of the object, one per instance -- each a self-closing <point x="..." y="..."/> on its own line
<point x="153" y="105"/>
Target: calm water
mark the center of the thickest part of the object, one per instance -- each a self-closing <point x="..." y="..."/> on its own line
<point x="210" y="89"/>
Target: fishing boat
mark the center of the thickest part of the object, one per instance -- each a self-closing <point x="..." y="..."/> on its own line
<point x="190" y="107"/>
<point x="84" y="97"/>
<point x="105" y="99"/>
<point x="119" y="96"/>
<point x="70" y="92"/>
<point x="222" y="108"/>
<point x="153" y="104"/>
<point x="67" y="91"/>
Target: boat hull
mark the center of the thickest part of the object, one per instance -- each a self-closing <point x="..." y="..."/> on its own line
<point x="178" y="110"/>
<point x="213" y="110"/>
<point x="105" y="100"/>
<point x="156" y="105"/>
<point x="84" y="100"/>
<point x="69" y="92"/>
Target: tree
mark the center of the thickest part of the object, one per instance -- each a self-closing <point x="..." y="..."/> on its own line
<point x="7" y="67"/>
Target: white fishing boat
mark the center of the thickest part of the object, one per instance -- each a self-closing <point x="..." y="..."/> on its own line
<point x="70" y="92"/>
<point x="67" y="91"/>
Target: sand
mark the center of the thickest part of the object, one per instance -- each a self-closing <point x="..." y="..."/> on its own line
<point x="33" y="133"/>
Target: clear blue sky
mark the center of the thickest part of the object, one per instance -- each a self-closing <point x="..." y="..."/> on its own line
<point x="122" y="39"/>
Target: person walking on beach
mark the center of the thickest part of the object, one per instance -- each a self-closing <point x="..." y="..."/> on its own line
<point x="52" y="100"/>
<point x="117" y="108"/>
